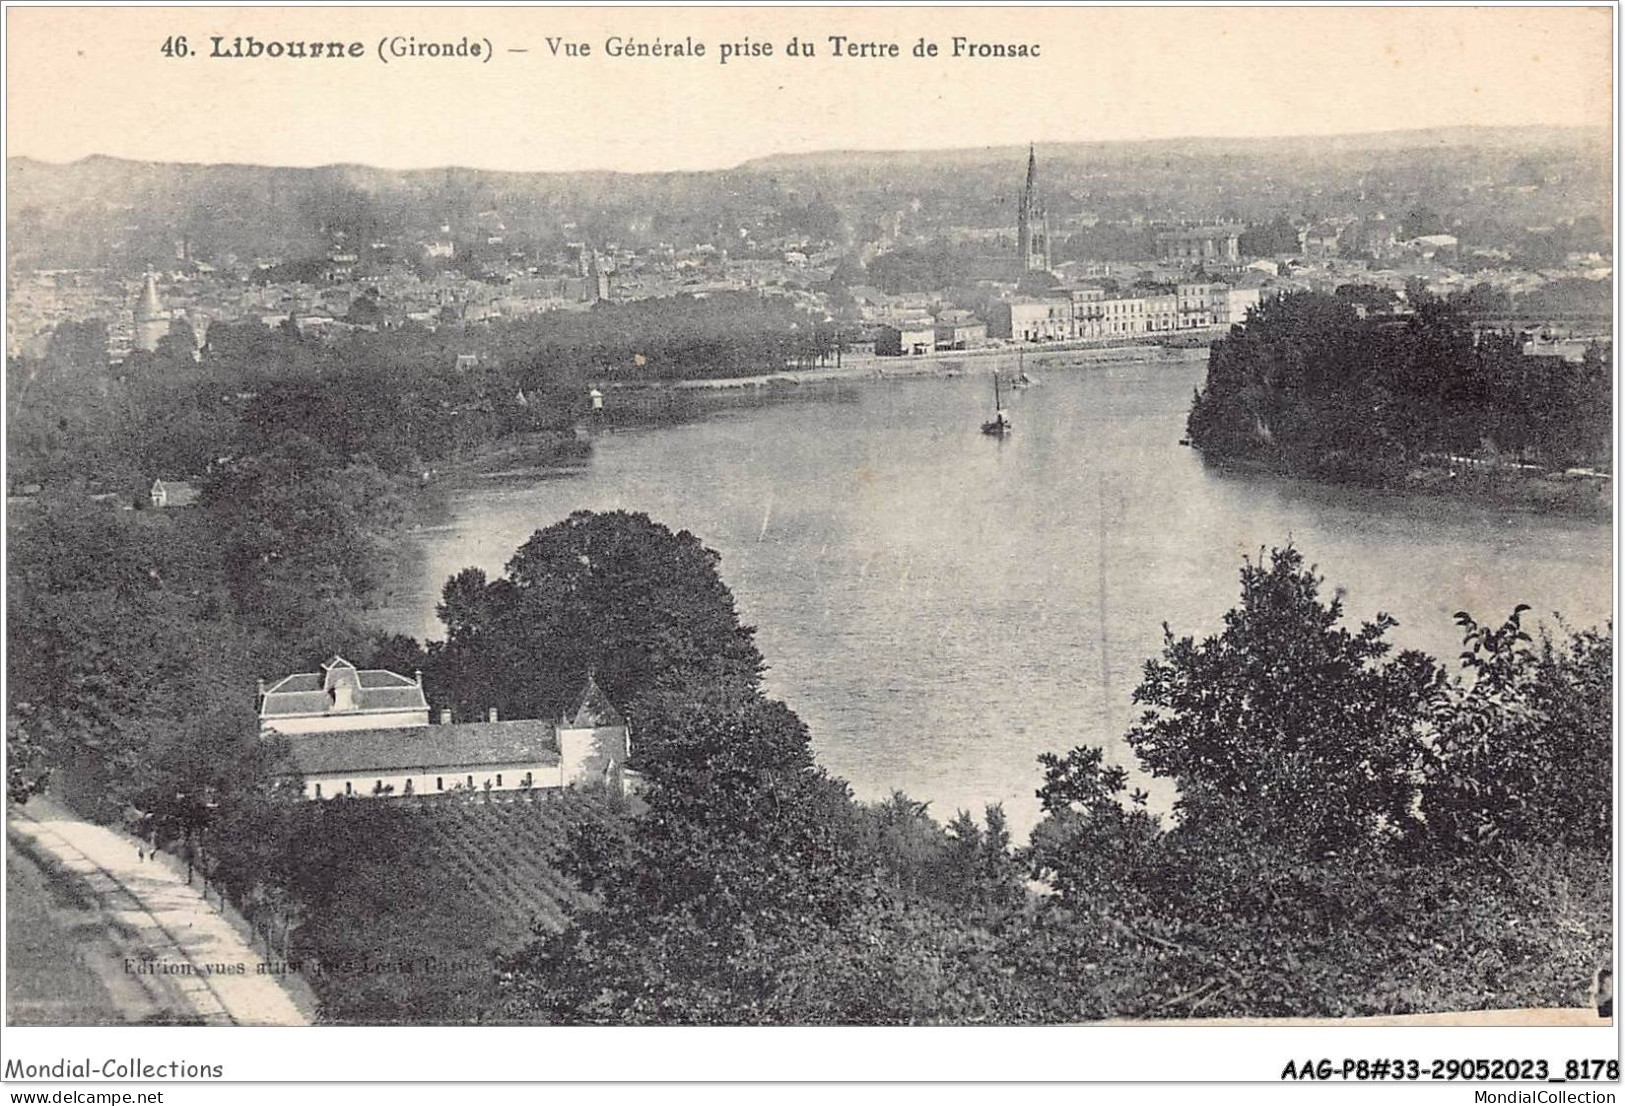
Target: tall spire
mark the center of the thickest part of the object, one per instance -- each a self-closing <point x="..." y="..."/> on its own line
<point x="1032" y="223"/>
<point x="148" y="306"/>
<point x="151" y="321"/>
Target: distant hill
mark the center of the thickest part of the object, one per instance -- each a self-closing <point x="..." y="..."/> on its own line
<point x="106" y="211"/>
<point x="1524" y="138"/>
<point x="120" y="173"/>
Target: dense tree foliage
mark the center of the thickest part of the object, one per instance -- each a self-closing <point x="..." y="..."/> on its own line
<point x="753" y="891"/>
<point x="1287" y="726"/>
<point x="1522" y="748"/>
<point x="1352" y="831"/>
<point x="750" y="887"/>
<point x="919" y="269"/>
<point x="1271" y="239"/>
<point x="1356" y="832"/>
<point x="390" y="938"/>
<point x="407" y="397"/>
<point x="1369" y="296"/>
<point x="307" y="542"/>
<point x="1108" y="242"/>
<point x="683" y="337"/>
<point x="614" y="594"/>
<point x="121" y="615"/>
<point x="1308" y="384"/>
<point x="1569" y="298"/>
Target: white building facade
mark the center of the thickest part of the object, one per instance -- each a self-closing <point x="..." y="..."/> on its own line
<point x="1089" y="312"/>
<point x="365" y="733"/>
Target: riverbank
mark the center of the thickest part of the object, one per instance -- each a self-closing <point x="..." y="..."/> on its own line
<point x="1584" y="496"/>
<point x="534" y="454"/>
<point x="862" y="366"/>
<point x="1580" y="495"/>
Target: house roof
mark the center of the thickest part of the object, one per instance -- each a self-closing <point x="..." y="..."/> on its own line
<point x="177" y="493"/>
<point x="524" y="741"/>
<point x="593" y="709"/>
<point x="306" y="693"/>
<point x="1215" y="230"/>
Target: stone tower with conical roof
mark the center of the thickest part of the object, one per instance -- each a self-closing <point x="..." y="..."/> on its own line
<point x="151" y="320"/>
<point x="594" y="742"/>
<point x="1032" y="222"/>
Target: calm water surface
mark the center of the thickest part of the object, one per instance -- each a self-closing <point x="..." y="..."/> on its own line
<point x="941" y="607"/>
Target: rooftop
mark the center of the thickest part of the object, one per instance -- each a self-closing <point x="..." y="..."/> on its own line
<point x="426" y="748"/>
<point x="1214" y="230"/>
<point x="593" y="709"/>
<point x="307" y="693"/>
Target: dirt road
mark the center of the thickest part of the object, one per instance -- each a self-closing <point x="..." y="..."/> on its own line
<point x="167" y="932"/>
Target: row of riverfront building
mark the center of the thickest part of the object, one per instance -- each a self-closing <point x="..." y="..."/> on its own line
<point x="1073" y="313"/>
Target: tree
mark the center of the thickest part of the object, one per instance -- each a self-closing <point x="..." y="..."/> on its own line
<point x="981" y="873"/>
<point x="308" y="542"/>
<point x="1286" y="724"/>
<point x="918" y="269"/>
<point x="1276" y="237"/>
<point x="1356" y="835"/>
<point x="1308" y="385"/>
<point x="178" y="348"/>
<point x="614" y="594"/>
<point x="1421" y="221"/>
<point x="78" y="348"/>
<point x="752" y="891"/>
<point x="28" y="767"/>
<point x="1095" y="850"/>
<point x="1374" y="298"/>
<point x="1522" y="748"/>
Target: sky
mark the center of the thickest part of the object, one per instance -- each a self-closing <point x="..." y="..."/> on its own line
<point x="97" y="81"/>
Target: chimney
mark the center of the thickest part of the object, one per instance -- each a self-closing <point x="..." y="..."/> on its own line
<point x="417" y="676"/>
<point x="261" y="685"/>
<point x="491" y="715"/>
<point x="445" y="716"/>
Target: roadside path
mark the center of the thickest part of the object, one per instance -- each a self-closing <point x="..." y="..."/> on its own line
<point x="181" y="938"/>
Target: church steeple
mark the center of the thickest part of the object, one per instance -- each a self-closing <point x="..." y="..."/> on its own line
<point x="151" y="320"/>
<point x="1032" y="221"/>
<point x="148" y="306"/>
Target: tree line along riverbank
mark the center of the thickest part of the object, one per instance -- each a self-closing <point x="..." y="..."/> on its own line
<point x="1421" y="404"/>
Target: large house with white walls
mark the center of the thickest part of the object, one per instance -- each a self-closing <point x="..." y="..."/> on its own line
<point x="365" y="733"/>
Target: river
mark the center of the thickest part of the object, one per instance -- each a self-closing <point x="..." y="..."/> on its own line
<point x="941" y="607"/>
